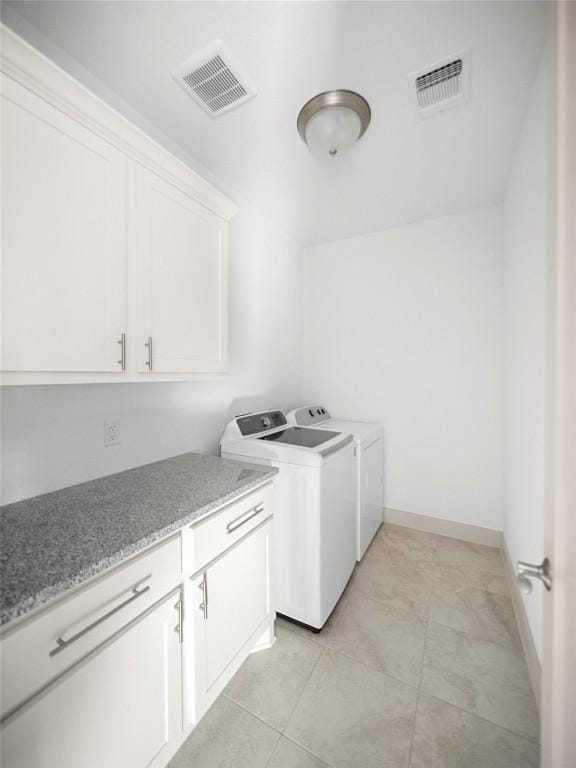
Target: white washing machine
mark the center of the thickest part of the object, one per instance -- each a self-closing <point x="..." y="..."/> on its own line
<point x="369" y="468"/>
<point x="314" y="518"/>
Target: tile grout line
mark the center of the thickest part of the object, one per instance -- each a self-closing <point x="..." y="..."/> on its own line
<point x="249" y="712"/>
<point x="511" y="647"/>
<point x="411" y="749"/>
<point x="484" y="719"/>
<point x="303" y="748"/>
<point x="283" y="734"/>
<point x="363" y="663"/>
<point x="371" y="668"/>
<point x="481" y="640"/>
<point x="294" y="708"/>
<point x="388" y="604"/>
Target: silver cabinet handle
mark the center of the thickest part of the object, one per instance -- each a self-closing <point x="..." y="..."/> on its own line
<point x="122" y="342"/>
<point x="527" y="571"/>
<point x="62" y="642"/>
<point x="150" y="361"/>
<point x="180" y="628"/>
<point x="203" y="586"/>
<point x="244" y="518"/>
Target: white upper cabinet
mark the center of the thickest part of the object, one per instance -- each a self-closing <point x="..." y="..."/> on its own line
<point x="63" y="241"/>
<point x="181" y="279"/>
<point x="92" y="208"/>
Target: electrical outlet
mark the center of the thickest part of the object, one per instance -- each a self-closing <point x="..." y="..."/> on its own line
<point x="112" y="432"/>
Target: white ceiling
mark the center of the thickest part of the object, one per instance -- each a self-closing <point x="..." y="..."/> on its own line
<point x="401" y="170"/>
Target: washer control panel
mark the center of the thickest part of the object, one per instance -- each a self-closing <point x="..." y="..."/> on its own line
<point x="253" y="423"/>
<point x="311" y="414"/>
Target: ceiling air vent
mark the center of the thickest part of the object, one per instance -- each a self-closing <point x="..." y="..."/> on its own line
<point x="441" y="86"/>
<point x="213" y="79"/>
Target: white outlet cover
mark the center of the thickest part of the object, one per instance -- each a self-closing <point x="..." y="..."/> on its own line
<point x="112" y="432"/>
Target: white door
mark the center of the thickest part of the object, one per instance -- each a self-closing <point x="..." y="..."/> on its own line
<point x="119" y="709"/>
<point x="559" y="657"/>
<point x="63" y="240"/>
<point x="372" y="494"/>
<point x="230" y="601"/>
<point x="181" y="263"/>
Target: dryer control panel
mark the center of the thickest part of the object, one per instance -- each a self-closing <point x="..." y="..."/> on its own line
<point x="310" y="415"/>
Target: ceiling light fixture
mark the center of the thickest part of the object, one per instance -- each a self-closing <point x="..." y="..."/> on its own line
<point x="333" y="121"/>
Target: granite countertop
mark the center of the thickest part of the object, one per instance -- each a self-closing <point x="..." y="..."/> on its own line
<point x="56" y="541"/>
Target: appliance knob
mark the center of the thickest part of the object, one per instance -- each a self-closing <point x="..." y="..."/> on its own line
<point x="265" y="422"/>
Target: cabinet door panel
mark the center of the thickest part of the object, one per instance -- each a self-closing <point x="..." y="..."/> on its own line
<point x="238" y="601"/>
<point x="120" y="709"/>
<point x="64" y="249"/>
<point x="238" y="590"/>
<point x="181" y="253"/>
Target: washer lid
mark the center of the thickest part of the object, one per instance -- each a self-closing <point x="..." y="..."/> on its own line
<point x="301" y="436"/>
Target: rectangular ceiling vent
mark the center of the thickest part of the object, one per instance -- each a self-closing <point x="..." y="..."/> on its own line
<point x="214" y="80"/>
<point x="442" y="86"/>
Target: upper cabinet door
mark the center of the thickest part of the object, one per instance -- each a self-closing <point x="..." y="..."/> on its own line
<point x="181" y="267"/>
<point x="64" y="240"/>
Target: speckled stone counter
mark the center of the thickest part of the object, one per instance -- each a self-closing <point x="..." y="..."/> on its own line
<point x="53" y="542"/>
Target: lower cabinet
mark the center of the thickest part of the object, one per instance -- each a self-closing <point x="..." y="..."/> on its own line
<point x="228" y="610"/>
<point x="118" y="674"/>
<point x="120" y="708"/>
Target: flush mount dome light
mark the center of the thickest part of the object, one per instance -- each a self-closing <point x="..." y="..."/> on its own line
<point x="333" y="121"/>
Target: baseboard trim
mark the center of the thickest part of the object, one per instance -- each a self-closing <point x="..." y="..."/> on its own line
<point x="528" y="646"/>
<point x="472" y="533"/>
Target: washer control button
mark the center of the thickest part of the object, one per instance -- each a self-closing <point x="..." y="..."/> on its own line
<point x="266" y="423"/>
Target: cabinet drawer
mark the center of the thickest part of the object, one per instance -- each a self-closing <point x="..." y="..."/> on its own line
<point x="39" y="650"/>
<point x="208" y="538"/>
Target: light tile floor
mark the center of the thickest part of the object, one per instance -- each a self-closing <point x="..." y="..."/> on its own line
<point x="420" y="666"/>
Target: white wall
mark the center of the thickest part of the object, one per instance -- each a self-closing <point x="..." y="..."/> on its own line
<point x="404" y="327"/>
<point x="525" y="296"/>
<point x="52" y="436"/>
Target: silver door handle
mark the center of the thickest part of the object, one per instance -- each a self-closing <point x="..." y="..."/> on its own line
<point x="150" y="361"/>
<point x="239" y="521"/>
<point x="122" y="342"/>
<point x="527" y="571"/>
<point x="62" y="642"/>
<point x="203" y="586"/>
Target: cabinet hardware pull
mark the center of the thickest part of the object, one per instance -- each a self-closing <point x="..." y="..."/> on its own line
<point x="244" y="517"/>
<point x="180" y="628"/>
<point x="122" y="342"/>
<point x="204" y="587"/>
<point x="150" y="361"/>
<point x="62" y="642"/>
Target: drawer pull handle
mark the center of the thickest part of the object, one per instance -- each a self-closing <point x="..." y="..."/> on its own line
<point x="62" y="642"/>
<point x="244" y="518"/>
